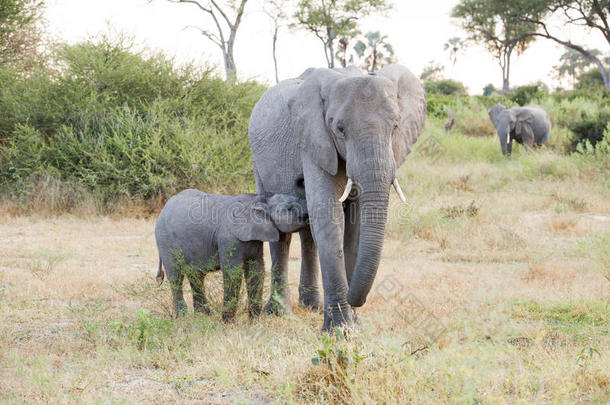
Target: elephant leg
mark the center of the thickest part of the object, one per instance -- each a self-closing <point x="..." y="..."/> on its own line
<point x="327" y="222"/>
<point x="279" y="300"/>
<point x="176" y="278"/>
<point x="200" y="302"/>
<point x="255" y="278"/>
<point x="309" y="290"/>
<point x="232" y="271"/>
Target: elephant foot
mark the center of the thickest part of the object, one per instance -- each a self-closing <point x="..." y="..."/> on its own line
<point x="311" y="300"/>
<point x="277" y="306"/>
<point x="338" y="316"/>
<point x="180" y="309"/>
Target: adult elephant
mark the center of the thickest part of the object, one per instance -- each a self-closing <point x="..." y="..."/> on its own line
<point x="318" y="136"/>
<point x="529" y="126"/>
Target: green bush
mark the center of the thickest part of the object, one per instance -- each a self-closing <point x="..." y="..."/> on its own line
<point x="590" y="129"/>
<point x="445" y="86"/>
<point x="125" y="126"/>
<point x="524" y="95"/>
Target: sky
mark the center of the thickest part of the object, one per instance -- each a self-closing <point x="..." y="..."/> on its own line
<point x="416" y="29"/>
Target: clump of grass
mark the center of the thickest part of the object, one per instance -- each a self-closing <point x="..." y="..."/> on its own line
<point x="452" y="212"/>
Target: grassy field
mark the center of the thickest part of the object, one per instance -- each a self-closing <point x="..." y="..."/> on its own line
<point x="493" y="288"/>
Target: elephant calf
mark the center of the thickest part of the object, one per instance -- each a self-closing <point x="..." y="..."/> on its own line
<point x="197" y="233"/>
<point x="529" y="126"/>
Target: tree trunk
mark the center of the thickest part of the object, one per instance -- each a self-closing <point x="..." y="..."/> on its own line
<point x="505" y="65"/>
<point x="277" y="80"/>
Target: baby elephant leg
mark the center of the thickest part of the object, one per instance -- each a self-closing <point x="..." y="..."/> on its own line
<point x="255" y="278"/>
<point x="176" y="279"/>
<point x="232" y="270"/>
<point x="200" y="302"/>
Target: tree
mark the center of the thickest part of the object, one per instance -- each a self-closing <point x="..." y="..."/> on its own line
<point x="432" y="72"/>
<point x="332" y="19"/>
<point x="454" y="45"/>
<point x="20" y="31"/>
<point x="276" y="10"/>
<point x="226" y="27"/>
<point x="375" y="52"/>
<point x="493" y="23"/>
<point x="592" y="14"/>
<point x="572" y="63"/>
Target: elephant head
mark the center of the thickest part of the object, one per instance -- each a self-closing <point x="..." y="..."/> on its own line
<point x="260" y="218"/>
<point x="504" y="120"/>
<point x="370" y="122"/>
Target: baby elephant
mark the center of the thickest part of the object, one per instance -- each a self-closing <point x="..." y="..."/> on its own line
<point x="529" y="126"/>
<point x="198" y="232"/>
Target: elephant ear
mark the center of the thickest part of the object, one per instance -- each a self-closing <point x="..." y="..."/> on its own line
<point x="412" y="106"/>
<point x="250" y="220"/>
<point x="523" y="127"/>
<point x="307" y="112"/>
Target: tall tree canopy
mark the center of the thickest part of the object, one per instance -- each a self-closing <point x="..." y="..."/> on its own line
<point x="20" y="31"/>
<point x="591" y="14"/>
<point x="332" y="19"/>
<point x="493" y="23"/>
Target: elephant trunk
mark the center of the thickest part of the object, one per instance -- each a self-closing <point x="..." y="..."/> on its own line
<point x="503" y="135"/>
<point x="373" y="216"/>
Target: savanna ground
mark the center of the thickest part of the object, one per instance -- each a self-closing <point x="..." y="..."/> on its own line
<point x="493" y="288"/>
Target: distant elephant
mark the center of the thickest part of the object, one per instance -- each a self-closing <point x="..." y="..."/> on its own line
<point x="529" y="126"/>
<point x="202" y="232"/>
<point x="318" y="136"/>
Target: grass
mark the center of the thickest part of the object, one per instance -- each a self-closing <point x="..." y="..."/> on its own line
<point x="492" y="289"/>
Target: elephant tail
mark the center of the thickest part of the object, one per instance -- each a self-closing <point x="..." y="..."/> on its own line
<point x="160" y="274"/>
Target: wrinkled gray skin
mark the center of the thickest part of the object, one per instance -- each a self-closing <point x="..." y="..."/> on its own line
<point x="215" y="232"/>
<point x="528" y="126"/>
<point x="308" y="135"/>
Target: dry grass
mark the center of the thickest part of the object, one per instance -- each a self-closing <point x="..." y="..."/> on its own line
<point x="505" y="305"/>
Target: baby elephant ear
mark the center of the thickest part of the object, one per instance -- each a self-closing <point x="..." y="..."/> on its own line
<point x="249" y="222"/>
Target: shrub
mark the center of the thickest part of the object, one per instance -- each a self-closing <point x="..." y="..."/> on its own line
<point x="445" y="86"/>
<point x="590" y="129"/>
<point x="124" y="126"/>
<point x="591" y="79"/>
<point x="524" y="95"/>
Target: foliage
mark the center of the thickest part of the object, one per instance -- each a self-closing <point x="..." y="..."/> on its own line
<point x="375" y="52"/>
<point x="124" y="125"/>
<point x="589" y="80"/>
<point x="592" y="14"/>
<point x="432" y="71"/>
<point x="20" y="32"/>
<point x="573" y="64"/>
<point x="590" y="129"/>
<point x="489" y="90"/>
<point x="330" y="20"/>
<point x="492" y="23"/>
<point x="148" y="332"/>
<point x="444" y="86"/>
<point x="524" y="95"/>
<point x="454" y="45"/>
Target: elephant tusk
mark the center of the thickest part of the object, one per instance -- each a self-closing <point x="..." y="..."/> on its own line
<point x="496" y="135"/>
<point x="399" y="190"/>
<point x="508" y="138"/>
<point x="348" y="189"/>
